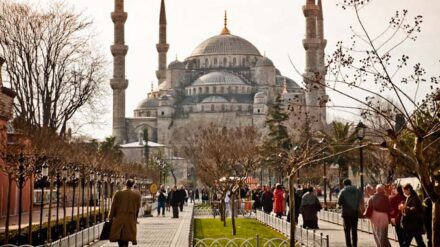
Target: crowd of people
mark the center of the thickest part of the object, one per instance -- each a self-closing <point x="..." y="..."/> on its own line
<point x="174" y="198"/>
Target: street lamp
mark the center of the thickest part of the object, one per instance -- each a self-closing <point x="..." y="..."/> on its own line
<point x="105" y="177"/>
<point x="42" y="184"/>
<point x="21" y="178"/>
<point x="92" y="195"/>
<point x="360" y="131"/>
<point x="74" y="179"/>
<point x="58" y="186"/>
<point x="64" y="173"/>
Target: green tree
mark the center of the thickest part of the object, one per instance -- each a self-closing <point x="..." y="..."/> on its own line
<point x="110" y="148"/>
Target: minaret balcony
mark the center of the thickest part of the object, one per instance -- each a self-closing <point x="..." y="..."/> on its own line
<point x="311" y="10"/>
<point x="162" y="47"/>
<point x="312" y="43"/>
<point x="118" y="83"/>
<point x="119" y="50"/>
<point x="119" y="17"/>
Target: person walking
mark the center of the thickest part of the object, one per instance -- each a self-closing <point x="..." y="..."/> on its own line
<point x="267" y="200"/>
<point x="197" y="195"/>
<point x="396" y="215"/>
<point x="174" y="201"/>
<point x="123" y="215"/>
<point x="182" y="197"/>
<point x="161" y="200"/>
<point x="428" y="219"/>
<point x="309" y="208"/>
<point x="257" y="198"/>
<point x="350" y="199"/>
<point x="378" y="211"/>
<point x="278" y="201"/>
<point x="412" y="220"/>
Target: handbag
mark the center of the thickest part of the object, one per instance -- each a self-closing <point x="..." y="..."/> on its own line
<point x="105" y="234"/>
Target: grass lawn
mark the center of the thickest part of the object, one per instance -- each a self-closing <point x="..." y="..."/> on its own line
<point x="246" y="228"/>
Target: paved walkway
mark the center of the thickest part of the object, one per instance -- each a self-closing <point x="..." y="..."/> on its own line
<point x="161" y="231"/>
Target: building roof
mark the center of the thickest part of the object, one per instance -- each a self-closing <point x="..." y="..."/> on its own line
<point x="218" y="78"/>
<point x="225" y="44"/>
<point x="148" y="103"/>
<point x="215" y="99"/>
<point x="263" y="62"/>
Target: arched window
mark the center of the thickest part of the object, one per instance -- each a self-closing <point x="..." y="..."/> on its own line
<point x="239" y="108"/>
<point x="206" y="62"/>
<point x="222" y="90"/>
<point x="206" y="89"/>
<point x="194" y="91"/>
<point x="236" y="90"/>
<point x="215" y="62"/>
<point x="225" y="62"/>
<point x="234" y="61"/>
<point x="243" y="62"/>
<point x="200" y="90"/>
<point x="212" y="108"/>
<point x="242" y="89"/>
<point x="215" y="90"/>
<point x="249" y="108"/>
<point x="223" y="107"/>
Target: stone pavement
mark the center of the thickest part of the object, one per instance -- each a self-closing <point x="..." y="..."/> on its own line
<point x="161" y="231"/>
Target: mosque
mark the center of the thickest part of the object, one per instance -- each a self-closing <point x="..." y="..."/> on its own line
<point x="225" y="80"/>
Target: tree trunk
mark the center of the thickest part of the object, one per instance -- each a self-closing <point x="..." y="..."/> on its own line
<point x="436" y="222"/>
<point x="8" y="209"/>
<point x="31" y="206"/>
<point x="49" y="226"/>
<point x="292" y="210"/>
<point x="234" y="230"/>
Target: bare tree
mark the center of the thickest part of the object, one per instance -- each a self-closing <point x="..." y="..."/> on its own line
<point x="52" y="62"/>
<point x="372" y="59"/>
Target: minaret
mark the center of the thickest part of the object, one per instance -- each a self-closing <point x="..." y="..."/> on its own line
<point x="119" y="83"/>
<point x="314" y="75"/>
<point x="162" y="47"/>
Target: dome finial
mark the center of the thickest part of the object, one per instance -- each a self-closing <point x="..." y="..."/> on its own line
<point x="225" y="30"/>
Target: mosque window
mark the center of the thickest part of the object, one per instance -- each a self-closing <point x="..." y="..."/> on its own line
<point x="215" y="89"/>
<point x="194" y="91"/>
<point x="212" y="107"/>
<point x="162" y="113"/>
<point x="258" y="110"/>
<point x="148" y="113"/>
<point x="223" y="107"/>
<point x="236" y="90"/>
<point x="206" y="62"/>
<point x="249" y="108"/>
<point x="243" y="62"/>
<point x="222" y="90"/>
<point x="225" y="61"/>
<point x="234" y="61"/>
<point x="206" y="89"/>
<point x="242" y="89"/>
<point x="203" y="108"/>
<point x="215" y="61"/>
<point x="239" y="108"/>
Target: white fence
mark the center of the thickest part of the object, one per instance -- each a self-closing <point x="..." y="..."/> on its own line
<point x="79" y="239"/>
<point x="241" y="242"/>
<point x="304" y="236"/>
<point x="363" y="224"/>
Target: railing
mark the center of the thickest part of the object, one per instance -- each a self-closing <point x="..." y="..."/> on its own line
<point x="304" y="236"/>
<point x="191" y="230"/>
<point x="206" y="212"/>
<point x="242" y="242"/>
<point x="364" y="225"/>
<point x="81" y="238"/>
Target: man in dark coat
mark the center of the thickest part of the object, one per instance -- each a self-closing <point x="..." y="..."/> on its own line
<point x="428" y="219"/>
<point x="350" y="199"/>
<point x="182" y="195"/>
<point x="309" y="209"/>
<point x="412" y="220"/>
<point x="174" y="201"/>
<point x="256" y="197"/>
<point x="267" y="200"/>
<point x="123" y="214"/>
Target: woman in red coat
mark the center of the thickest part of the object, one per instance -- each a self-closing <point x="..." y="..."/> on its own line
<point x="278" y="208"/>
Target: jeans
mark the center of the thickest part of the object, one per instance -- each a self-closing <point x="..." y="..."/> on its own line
<point x="350" y="230"/>
<point x="159" y="206"/>
<point x="400" y="234"/>
<point x="175" y="211"/>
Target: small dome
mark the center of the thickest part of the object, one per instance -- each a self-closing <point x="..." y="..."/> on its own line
<point x="176" y="65"/>
<point x="225" y="44"/>
<point x="214" y="99"/>
<point x="291" y="84"/>
<point x="218" y="78"/>
<point x="148" y="103"/>
<point x="277" y="72"/>
<point x="264" y="61"/>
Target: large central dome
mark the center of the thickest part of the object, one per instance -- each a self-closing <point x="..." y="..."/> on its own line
<point x="225" y="44"/>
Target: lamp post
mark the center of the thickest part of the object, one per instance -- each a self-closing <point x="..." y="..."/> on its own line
<point x="64" y="175"/>
<point x="42" y="182"/>
<point x="74" y="180"/>
<point x="58" y="186"/>
<point x="98" y="183"/>
<point x="92" y="194"/>
<point x="83" y="197"/>
<point x="325" y="182"/>
<point x="360" y="131"/>
<point x="21" y="178"/>
<point x="105" y="178"/>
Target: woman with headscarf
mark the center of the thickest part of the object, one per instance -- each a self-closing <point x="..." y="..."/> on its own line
<point x="309" y="208"/>
<point x="378" y="211"/>
<point x="412" y="220"/>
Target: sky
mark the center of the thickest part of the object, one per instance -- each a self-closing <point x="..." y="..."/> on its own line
<point x="275" y="27"/>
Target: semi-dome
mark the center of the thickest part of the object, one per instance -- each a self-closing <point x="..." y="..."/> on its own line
<point x="225" y="44"/>
<point x="260" y="95"/>
<point x="263" y="62"/>
<point x="218" y="78"/>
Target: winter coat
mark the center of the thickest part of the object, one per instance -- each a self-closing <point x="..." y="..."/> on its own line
<point x="267" y="201"/>
<point x="278" y="201"/>
<point x="395" y="201"/>
<point x="310" y="206"/>
<point x="123" y="214"/>
<point x="175" y="198"/>
<point x="350" y="199"/>
<point x="378" y="210"/>
<point x="256" y="196"/>
<point x="161" y="196"/>
<point x="412" y="220"/>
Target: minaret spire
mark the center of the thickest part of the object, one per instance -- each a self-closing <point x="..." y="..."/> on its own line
<point x="119" y="83"/>
<point x="314" y="75"/>
<point x="225" y="30"/>
<point x="162" y="47"/>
